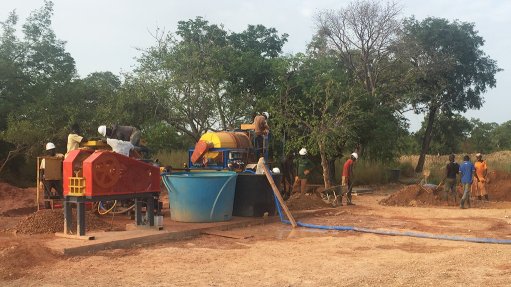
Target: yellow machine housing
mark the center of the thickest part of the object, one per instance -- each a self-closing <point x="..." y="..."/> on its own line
<point x="234" y="140"/>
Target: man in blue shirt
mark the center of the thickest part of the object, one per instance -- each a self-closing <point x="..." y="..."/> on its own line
<point x="467" y="171"/>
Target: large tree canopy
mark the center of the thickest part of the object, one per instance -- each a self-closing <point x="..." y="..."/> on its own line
<point x="205" y="77"/>
<point x="447" y="69"/>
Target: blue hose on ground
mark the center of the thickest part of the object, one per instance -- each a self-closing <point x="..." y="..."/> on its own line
<point x="393" y="232"/>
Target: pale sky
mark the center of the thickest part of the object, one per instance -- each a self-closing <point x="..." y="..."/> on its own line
<point x="102" y="35"/>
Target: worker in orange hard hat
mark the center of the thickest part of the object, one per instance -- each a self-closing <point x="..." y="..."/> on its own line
<point x="261" y="131"/>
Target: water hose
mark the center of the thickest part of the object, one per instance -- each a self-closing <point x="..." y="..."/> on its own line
<point x="394" y="232"/>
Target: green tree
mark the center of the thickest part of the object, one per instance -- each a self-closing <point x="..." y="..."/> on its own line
<point x="448" y="135"/>
<point x="205" y="78"/>
<point x="317" y="102"/>
<point x="35" y="73"/>
<point x="447" y="70"/>
<point x="502" y="136"/>
<point x="362" y="36"/>
<point x="481" y="136"/>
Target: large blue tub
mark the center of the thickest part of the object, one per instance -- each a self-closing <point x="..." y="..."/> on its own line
<point x="201" y="196"/>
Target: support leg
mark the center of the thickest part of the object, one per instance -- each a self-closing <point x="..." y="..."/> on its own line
<point x="150" y="210"/>
<point x="67" y="216"/>
<point x="80" y="214"/>
<point x="138" y="212"/>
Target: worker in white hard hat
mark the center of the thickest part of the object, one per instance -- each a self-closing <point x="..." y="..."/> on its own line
<point x="481" y="176"/>
<point x="123" y="133"/>
<point x="50" y="173"/>
<point x="304" y="166"/>
<point x="347" y="179"/>
<point x="262" y="130"/>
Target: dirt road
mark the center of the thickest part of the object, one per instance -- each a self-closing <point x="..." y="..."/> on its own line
<point x="276" y="255"/>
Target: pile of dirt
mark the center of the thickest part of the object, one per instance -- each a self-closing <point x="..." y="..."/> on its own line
<point x="414" y="195"/>
<point x="306" y="202"/>
<point x="51" y="221"/>
<point x="18" y="256"/>
<point x="499" y="186"/>
<point x="14" y="200"/>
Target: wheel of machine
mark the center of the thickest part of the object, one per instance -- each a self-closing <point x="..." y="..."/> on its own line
<point x="106" y="171"/>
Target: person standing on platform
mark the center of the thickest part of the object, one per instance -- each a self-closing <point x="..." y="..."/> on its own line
<point x="74" y="139"/>
<point x="262" y="130"/>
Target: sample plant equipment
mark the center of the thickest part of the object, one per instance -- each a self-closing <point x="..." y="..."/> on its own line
<point x="91" y="176"/>
<point x="222" y="150"/>
<point x="231" y="150"/>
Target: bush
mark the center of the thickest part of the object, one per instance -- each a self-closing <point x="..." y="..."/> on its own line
<point x="407" y="169"/>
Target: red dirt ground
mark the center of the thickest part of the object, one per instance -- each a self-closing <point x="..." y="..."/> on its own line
<point x="276" y="255"/>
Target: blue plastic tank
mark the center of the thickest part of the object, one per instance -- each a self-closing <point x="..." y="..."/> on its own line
<point x="201" y="196"/>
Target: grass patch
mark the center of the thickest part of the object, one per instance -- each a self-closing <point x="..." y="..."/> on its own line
<point x="175" y="158"/>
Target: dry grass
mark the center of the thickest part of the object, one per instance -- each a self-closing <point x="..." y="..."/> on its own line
<point x="378" y="172"/>
<point x="175" y="159"/>
<point x="435" y="164"/>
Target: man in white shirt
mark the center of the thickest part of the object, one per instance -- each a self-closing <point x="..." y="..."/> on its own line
<point x="119" y="146"/>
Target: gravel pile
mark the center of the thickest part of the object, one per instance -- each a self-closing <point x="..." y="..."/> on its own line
<point x="413" y="195"/>
<point x="51" y="221"/>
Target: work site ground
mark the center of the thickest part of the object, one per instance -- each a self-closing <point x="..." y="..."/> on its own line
<point x="274" y="254"/>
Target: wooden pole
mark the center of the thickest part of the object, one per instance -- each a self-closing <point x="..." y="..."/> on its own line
<point x="279" y="197"/>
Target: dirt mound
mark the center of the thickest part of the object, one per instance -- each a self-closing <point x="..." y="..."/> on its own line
<point x="18" y="256"/>
<point x="306" y="202"/>
<point x="414" y="195"/>
<point x="51" y="221"/>
<point x="14" y="199"/>
<point x="499" y="185"/>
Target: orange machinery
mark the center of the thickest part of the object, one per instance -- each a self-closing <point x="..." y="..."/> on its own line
<point x="103" y="175"/>
<point x="223" y="150"/>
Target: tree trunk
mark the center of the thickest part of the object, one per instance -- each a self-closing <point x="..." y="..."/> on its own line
<point x="331" y="170"/>
<point x="324" y="164"/>
<point x="426" y="140"/>
<point x="218" y="101"/>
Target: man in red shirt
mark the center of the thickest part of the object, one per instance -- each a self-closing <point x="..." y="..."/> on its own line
<point x="347" y="178"/>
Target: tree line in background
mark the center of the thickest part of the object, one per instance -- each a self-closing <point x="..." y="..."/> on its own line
<point x="363" y="68"/>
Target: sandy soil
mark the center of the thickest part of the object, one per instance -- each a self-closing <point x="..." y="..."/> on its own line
<point x="276" y="255"/>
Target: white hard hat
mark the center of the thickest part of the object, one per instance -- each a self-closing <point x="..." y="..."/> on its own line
<point x="266" y="114"/>
<point x="50" y="146"/>
<point x="102" y="130"/>
<point x="478" y="154"/>
<point x="276" y="170"/>
<point x="303" y="151"/>
<point x="355" y="155"/>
